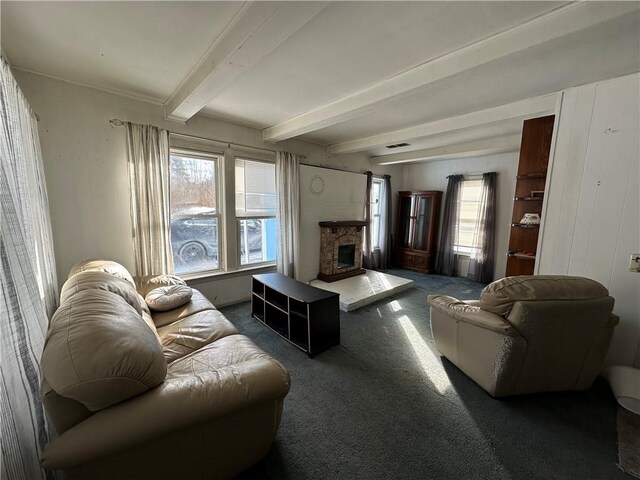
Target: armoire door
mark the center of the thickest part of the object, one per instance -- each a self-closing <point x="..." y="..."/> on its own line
<point x="405" y="221"/>
<point x="424" y="208"/>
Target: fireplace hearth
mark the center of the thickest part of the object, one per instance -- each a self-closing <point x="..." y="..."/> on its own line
<point x="340" y="250"/>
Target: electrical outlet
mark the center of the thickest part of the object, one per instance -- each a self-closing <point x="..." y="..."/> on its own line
<point x="634" y="263"/>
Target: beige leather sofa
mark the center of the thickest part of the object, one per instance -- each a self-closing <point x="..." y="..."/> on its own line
<point x="527" y="333"/>
<point x="170" y="395"/>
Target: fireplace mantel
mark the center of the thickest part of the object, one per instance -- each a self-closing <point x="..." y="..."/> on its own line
<point x="343" y="223"/>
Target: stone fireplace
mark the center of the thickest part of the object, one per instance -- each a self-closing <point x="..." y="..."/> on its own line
<point x="340" y="250"/>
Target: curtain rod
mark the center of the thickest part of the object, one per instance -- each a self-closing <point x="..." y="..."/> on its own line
<point x="479" y="174"/>
<point x="116" y="122"/>
<point x="330" y="168"/>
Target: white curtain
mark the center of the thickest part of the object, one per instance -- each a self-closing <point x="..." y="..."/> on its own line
<point x="148" y="155"/>
<point x="28" y="280"/>
<point x="288" y="213"/>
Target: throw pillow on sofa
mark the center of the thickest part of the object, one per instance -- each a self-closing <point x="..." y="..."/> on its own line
<point x="167" y="298"/>
<point x="150" y="282"/>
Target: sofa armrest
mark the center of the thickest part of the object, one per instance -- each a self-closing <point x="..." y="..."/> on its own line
<point x="461" y="311"/>
<point x="180" y="402"/>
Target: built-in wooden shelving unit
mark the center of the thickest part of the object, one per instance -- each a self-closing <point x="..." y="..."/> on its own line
<point x="529" y="196"/>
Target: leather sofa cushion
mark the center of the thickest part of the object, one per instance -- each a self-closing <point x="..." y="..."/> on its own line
<point x="167" y="298"/>
<point x="150" y="282"/>
<point x="197" y="304"/>
<point x="193" y="332"/>
<point x="500" y="296"/>
<point x="99" y="351"/>
<point x="106" y="266"/>
<point x="217" y="356"/>
<point x="96" y="279"/>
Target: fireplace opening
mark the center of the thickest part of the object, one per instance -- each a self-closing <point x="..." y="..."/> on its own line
<point x="346" y="256"/>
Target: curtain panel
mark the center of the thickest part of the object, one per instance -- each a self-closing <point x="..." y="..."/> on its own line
<point x="367" y="251"/>
<point x="483" y="256"/>
<point x="148" y="157"/>
<point x="446" y="258"/>
<point x="385" y="224"/>
<point x="288" y="213"/>
<point x="28" y="280"/>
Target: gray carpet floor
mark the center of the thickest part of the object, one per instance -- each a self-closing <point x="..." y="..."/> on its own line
<point x="384" y="405"/>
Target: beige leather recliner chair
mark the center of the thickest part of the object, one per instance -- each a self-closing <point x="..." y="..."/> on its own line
<point x="527" y="333"/>
<point x="171" y="395"/>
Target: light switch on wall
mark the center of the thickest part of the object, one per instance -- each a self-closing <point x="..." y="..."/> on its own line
<point x="634" y="263"/>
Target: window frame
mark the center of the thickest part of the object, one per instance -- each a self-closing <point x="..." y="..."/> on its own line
<point x="228" y="228"/>
<point x="459" y="249"/>
<point x="217" y="160"/>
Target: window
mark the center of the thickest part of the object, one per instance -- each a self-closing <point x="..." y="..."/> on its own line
<point x="256" y="211"/>
<point x="215" y="228"/>
<point x="195" y="216"/>
<point x="376" y="189"/>
<point x="468" y="209"/>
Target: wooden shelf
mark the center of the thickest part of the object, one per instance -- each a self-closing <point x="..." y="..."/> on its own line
<point x="529" y="199"/>
<point x="525" y="225"/>
<point x="532" y="176"/>
<point x="305" y="316"/>
<point x="521" y="255"/>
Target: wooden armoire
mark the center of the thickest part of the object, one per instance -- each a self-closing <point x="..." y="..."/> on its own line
<point x="416" y="234"/>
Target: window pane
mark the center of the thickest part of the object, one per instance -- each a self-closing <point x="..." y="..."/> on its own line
<point x="257" y="240"/>
<point x="194" y="240"/>
<point x="468" y="216"/>
<point x="194" y="223"/>
<point x="375" y="231"/>
<point x="255" y="188"/>
<point x="193" y="185"/>
<point x="375" y="197"/>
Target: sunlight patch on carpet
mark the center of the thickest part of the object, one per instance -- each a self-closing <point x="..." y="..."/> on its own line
<point x="428" y="361"/>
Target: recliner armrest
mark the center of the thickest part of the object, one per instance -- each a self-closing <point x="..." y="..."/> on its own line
<point x="613" y="320"/>
<point x="461" y="311"/>
<point x="178" y="403"/>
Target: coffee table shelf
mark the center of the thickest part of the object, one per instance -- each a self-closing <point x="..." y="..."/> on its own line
<point x="305" y="316"/>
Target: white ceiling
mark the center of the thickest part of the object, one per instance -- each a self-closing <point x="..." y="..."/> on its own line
<point x="142" y="49"/>
<point x="311" y="69"/>
<point x="350" y="46"/>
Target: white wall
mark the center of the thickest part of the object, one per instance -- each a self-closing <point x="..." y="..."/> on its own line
<point x="592" y="221"/>
<point x="86" y="170"/>
<point x="433" y="176"/>
<point x="343" y="198"/>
